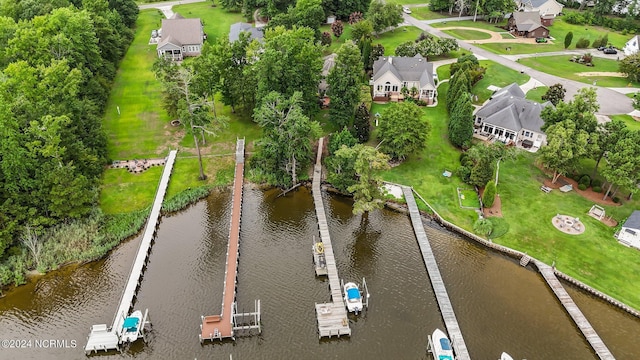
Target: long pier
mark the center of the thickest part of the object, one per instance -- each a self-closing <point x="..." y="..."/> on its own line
<point x="223" y="325"/>
<point x="101" y="337"/>
<point x="332" y="316"/>
<point x="572" y="309"/>
<point x="449" y="316"/>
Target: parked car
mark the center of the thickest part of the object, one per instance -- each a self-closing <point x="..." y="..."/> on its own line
<point x="406" y="10"/>
<point x="601" y="48"/>
<point x="610" y="50"/>
<point x="541" y="40"/>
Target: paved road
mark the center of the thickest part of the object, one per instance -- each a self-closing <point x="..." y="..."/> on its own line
<point x="611" y="102"/>
<point x="164" y="4"/>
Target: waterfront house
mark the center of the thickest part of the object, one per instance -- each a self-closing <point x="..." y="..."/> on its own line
<point x="392" y="73"/>
<point x="629" y="234"/>
<point x="527" y="24"/>
<point x="237" y="28"/>
<point x="510" y="118"/>
<point x="180" y="37"/>
<point x="543" y="7"/>
<point x="632" y="46"/>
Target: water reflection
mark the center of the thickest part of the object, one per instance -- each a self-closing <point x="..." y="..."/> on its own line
<point x="500" y="305"/>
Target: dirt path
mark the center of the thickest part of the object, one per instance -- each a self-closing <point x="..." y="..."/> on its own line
<point x="602" y="73"/>
<point x="495" y="37"/>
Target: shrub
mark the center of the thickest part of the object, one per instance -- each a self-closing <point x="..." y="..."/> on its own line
<point x="585" y="179"/>
<point x="500" y="227"/>
<point x="616" y="199"/>
<point x="583" y="43"/>
<point x="568" y="39"/>
<point x="582" y="187"/>
<point x="489" y="194"/>
<point x="597" y="189"/>
<point x="483" y="227"/>
<point x="325" y="38"/>
<point x="596" y="182"/>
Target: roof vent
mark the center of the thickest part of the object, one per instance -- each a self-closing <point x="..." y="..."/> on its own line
<point x="391" y="60"/>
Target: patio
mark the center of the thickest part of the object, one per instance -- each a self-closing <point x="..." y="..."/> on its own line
<point x="568" y="224"/>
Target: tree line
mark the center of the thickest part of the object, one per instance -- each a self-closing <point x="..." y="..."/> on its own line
<point x="58" y="59"/>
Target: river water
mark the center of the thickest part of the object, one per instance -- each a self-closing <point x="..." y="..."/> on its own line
<point x="500" y="305"/>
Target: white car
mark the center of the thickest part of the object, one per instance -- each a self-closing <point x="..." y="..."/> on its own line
<point x="406" y="10"/>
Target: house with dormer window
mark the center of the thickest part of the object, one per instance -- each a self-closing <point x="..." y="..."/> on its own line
<point x="180" y="37"/>
<point x="392" y="73"/>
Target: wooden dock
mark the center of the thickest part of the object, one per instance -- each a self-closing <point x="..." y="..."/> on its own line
<point x="332" y="316"/>
<point x="223" y="325"/>
<point x="580" y="320"/>
<point x="101" y="337"/>
<point x="450" y="321"/>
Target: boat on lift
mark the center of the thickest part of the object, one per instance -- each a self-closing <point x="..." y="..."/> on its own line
<point x="441" y="346"/>
<point x="505" y="356"/>
<point x="353" y="296"/>
<point x="130" y="330"/>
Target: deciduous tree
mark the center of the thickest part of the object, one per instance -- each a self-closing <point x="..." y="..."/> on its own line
<point x="383" y="15"/>
<point x="630" y="65"/>
<point x="403" y="130"/>
<point x="566" y="144"/>
<point x="555" y="94"/>
<point x="344" y="84"/>
<point x="368" y="193"/>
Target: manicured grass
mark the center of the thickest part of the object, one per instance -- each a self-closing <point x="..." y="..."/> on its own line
<point x="561" y="66"/>
<point x="497" y="75"/>
<point x="558" y="31"/>
<point x="391" y="39"/>
<point x="468" y="198"/>
<point x="337" y="42"/>
<point x="408" y="2"/>
<point x="631" y="123"/>
<point x="467" y="34"/>
<point x="480" y="24"/>
<point x="216" y="19"/>
<point x="142" y="125"/>
<point x="423" y="13"/>
<point x="536" y="94"/>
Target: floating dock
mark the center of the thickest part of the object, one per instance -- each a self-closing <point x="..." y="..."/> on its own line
<point x="572" y="309"/>
<point x="102" y="337"/>
<point x="332" y="316"/>
<point x="224" y="325"/>
<point x="449" y="316"/>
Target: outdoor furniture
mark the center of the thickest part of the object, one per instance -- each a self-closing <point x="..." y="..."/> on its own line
<point x="566" y="188"/>
<point x="546" y="189"/>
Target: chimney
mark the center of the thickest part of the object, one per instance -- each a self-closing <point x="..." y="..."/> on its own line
<point x="391" y="60"/>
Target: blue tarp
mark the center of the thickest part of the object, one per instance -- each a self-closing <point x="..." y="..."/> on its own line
<point x="353" y="293"/>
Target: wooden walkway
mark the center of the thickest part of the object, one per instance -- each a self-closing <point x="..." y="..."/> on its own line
<point x="450" y="321"/>
<point x="102" y="338"/>
<point x="581" y="321"/>
<point x="221" y="326"/>
<point x="332" y="317"/>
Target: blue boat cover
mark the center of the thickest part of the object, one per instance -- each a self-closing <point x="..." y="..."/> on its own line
<point x="131" y="323"/>
<point x="353" y="293"/>
<point x="445" y="357"/>
<point x="444" y="343"/>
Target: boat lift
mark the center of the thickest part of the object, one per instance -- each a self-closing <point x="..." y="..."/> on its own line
<point x="364" y="290"/>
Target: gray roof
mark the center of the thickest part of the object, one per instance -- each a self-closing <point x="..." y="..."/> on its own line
<point x="180" y="31"/>
<point x="513" y="112"/>
<point x="237" y="28"/>
<point x="633" y="222"/>
<point x="527" y="20"/>
<point x="512" y="89"/>
<point x="415" y="68"/>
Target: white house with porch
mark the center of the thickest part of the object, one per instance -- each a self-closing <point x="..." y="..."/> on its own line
<point x="629" y="234"/>
<point x="632" y="46"/>
<point x="392" y="73"/>
<point x="510" y="118"/>
<point x="180" y="37"/>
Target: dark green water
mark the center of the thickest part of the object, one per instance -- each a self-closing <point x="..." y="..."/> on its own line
<point x="500" y="306"/>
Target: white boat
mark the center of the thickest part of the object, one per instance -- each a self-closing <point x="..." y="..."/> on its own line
<point x="131" y="327"/>
<point x="505" y="356"/>
<point x="353" y="297"/>
<point x="442" y="349"/>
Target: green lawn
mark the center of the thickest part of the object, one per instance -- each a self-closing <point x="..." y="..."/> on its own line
<point x="558" y="31"/>
<point x="631" y="123"/>
<point x="468" y="198"/>
<point x="139" y="131"/>
<point x="480" y="24"/>
<point x="391" y="39"/>
<point x="216" y="19"/>
<point x="423" y="13"/>
<point x="467" y="34"/>
<point x="408" y="2"/>
<point x="536" y="94"/>
<point x="562" y="67"/>
<point x="497" y="75"/>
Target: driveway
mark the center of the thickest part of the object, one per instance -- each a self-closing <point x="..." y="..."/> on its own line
<point x="611" y="102"/>
<point x="166" y="6"/>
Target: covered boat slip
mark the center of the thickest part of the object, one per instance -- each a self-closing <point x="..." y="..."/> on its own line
<point x="102" y="338"/>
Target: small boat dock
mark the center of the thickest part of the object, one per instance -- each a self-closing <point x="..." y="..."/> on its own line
<point x="578" y="317"/>
<point x="102" y="337"/>
<point x="332" y="316"/>
<point x="318" y="257"/>
<point x="224" y="325"/>
<point x="449" y="316"/>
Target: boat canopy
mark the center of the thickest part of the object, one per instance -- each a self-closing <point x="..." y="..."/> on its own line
<point x="131" y="323"/>
<point x="353" y="293"/>
<point x="445" y="357"/>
